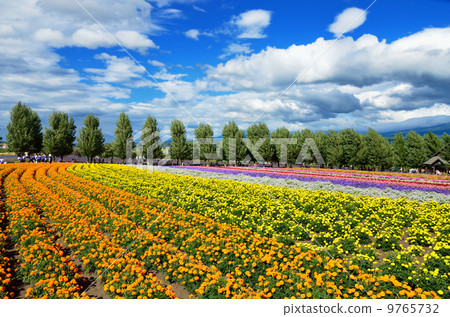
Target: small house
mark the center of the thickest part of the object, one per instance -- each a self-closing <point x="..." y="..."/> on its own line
<point x="437" y="162"/>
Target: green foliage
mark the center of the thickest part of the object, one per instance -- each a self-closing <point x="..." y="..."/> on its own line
<point x="351" y="143"/>
<point x="60" y="138"/>
<point x="150" y="127"/>
<point x="294" y="150"/>
<point x="256" y="132"/>
<point x="379" y="151"/>
<point x="231" y="131"/>
<point x="204" y="131"/>
<point x="90" y="139"/>
<point x="446" y="144"/>
<point x="280" y="133"/>
<point x="108" y="151"/>
<point x="321" y="139"/>
<point x="24" y="130"/>
<point x="399" y="150"/>
<point x="335" y="151"/>
<point x="361" y="153"/>
<point x="301" y="139"/>
<point x="189" y="150"/>
<point x="123" y="132"/>
<point x="432" y="143"/>
<point x="179" y="148"/>
<point x="415" y="150"/>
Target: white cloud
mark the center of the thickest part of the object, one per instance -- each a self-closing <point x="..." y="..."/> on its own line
<point x="359" y="82"/>
<point x="356" y="83"/>
<point x="164" y="75"/>
<point x="192" y="34"/>
<point x="135" y="40"/>
<point x="91" y="38"/>
<point x="118" y="70"/>
<point x="31" y="69"/>
<point x="402" y="115"/>
<point x="235" y="48"/>
<point x="347" y="21"/>
<point x="96" y="37"/>
<point x="252" y="23"/>
<point x="164" y="3"/>
<point x="156" y="63"/>
<point x="51" y="37"/>
<point x="64" y="23"/>
<point x="169" y="14"/>
<point x="358" y="62"/>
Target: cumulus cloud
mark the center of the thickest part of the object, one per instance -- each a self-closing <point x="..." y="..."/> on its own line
<point x="51" y="37"/>
<point x="418" y="57"/>
<point x="252" y="24"/>
<point x="91" y="38"/>
<point x="64" y="23"/>
<point x="96" y="37"/>
<point x="347" y="21"/>
<point x="135" y="40"/>
<point x="33" y="73"/>
<point x="118" y="70"/>
<point x="359" y="82"/>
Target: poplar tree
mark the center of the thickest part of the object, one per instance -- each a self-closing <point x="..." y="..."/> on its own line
<point x="204" y="131"/>
<point x="90" y="139"/>
<point x="399" y="150"/>
<point x="237" y="150"/>
<point x="60" y="137"/>
<point x="150" y="136"/>
<point x="123" y="133"/>
<point x="432" y="143"/>
<point x="258" y="131"/>
<point x="415" y="149"/>
<point x="24" y="130"/>
<point x="281" y="133"/>
<point x="178" y="147"/>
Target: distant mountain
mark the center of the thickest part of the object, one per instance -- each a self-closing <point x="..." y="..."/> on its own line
<point x="437" y="129"/>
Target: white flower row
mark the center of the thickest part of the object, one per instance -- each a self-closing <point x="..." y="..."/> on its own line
<point x="318" y="185"/>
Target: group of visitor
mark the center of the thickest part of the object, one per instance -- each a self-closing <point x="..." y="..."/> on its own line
<point x="38" y="158"/>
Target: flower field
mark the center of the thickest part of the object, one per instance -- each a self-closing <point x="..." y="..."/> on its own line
<point x="359" y="179"/>
<point x="403" y="238"/>
<point x="299" y="183"/>
<point x="160" y="235"/>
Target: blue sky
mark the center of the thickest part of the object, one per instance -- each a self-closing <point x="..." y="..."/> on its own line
<point x="216" y="61"/>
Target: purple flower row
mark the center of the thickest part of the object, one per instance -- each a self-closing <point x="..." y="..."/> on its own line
<point x="312" y="179"/>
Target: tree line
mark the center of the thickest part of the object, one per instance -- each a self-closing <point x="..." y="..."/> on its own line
<point x="338" y="148"/>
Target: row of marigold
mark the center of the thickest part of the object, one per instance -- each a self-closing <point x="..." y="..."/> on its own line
<point x="122" y="274"/>
<point x="5" y="265"/>
<point x="42" y="263"/>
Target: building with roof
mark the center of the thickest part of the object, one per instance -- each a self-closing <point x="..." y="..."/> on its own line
<point x="438" y="161"/>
